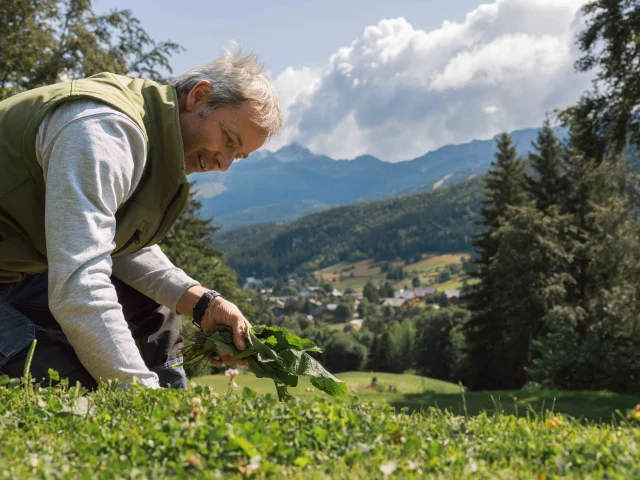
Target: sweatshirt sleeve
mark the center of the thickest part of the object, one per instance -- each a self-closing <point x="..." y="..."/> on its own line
<point x="150" y="272"/>
<point x="91" y="162"/>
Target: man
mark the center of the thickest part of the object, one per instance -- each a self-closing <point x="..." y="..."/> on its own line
<point x="93" y="176"/>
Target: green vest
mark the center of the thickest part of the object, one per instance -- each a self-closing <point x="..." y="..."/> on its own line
<point x="141" y="221"/>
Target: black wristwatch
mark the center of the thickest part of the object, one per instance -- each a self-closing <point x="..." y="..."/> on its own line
<point x="201" y="306"/>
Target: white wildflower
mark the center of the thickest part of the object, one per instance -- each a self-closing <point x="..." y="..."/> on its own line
<point x="388" y="468"/>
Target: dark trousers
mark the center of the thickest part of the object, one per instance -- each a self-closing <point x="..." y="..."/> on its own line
<point x="25" y="315"/>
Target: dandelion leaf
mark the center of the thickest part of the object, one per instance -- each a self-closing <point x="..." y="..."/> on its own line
<point x="280" y="339"/>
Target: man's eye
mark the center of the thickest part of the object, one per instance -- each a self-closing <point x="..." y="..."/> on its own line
<point x="228" y="139"/>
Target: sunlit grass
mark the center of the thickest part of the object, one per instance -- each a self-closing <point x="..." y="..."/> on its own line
<point x="206" y="433"/>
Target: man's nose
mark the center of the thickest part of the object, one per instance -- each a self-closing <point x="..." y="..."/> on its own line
<point x="227" y="160"/>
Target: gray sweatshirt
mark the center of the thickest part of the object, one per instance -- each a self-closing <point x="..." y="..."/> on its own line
<point x="92" y="157"/>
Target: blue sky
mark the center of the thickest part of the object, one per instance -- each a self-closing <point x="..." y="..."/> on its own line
<point x="283" y="33"/>
<point x="393" y="79"/>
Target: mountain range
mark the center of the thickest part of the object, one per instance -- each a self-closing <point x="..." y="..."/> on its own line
<point x="292" y="182"/>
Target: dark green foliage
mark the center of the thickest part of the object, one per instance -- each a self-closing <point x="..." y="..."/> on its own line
<point x="605" y="118"/>
<point x="343" y="353"/>
<point x="599" y="323"/>
<point x="370" y="292"/>
<point x="343" y="312"/>
<point x="386" y="290"/>
<point x="439" y="343"/>
<point x="531" y="279"/>
<point x="395" y="273"/>
<point x="486" y="332"/>
<point x="380" y="357"/>
<point x="545" y="184"/>
<point x="558" y="299"/>
<point x="42" y="41"/>
<point x="402" y="227"/>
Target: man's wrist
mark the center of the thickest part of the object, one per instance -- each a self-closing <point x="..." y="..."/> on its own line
<point x="201" y="307"/>
<point x="188" y="300"/>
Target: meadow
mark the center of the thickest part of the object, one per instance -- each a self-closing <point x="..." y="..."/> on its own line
<point x="415" y="393"/>
<point x="355" y="275"/>
<point x="207" y="432"/>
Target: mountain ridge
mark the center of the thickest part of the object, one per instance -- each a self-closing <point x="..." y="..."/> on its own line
<point x="294" y="181"/>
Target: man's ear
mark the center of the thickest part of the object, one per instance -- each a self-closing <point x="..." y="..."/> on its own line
<point x="198" y="94"/>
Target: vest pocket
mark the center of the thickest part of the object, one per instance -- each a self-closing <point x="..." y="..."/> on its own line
<point x="136" y="239"/>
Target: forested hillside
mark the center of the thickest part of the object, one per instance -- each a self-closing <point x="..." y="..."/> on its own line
<point x="402" y="227"/>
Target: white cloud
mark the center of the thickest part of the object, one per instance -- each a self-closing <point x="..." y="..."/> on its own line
<point x="210" y="190"/>
<point x="397" y="91"/>
<point x="295" y="89"/>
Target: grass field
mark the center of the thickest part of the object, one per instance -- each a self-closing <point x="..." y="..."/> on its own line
<point x="139" y="433"/>
<point x="419" y="393"/>
<point x="355" y="275"/>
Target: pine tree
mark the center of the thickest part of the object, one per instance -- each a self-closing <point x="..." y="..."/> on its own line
<point x="531" y="271"/>
<point x="545" y="184"/>
<point x="487" y="353"/>
<point x="593" y="339"/>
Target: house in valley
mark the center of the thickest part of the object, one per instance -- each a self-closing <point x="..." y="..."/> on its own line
<point x="395" y="302"/>
<point x="453" y="296"/>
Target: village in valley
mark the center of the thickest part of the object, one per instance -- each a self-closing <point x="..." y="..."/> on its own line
<point x="341" y="295"/>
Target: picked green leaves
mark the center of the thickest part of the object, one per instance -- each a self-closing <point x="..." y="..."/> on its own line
<point x="271" y="352"/>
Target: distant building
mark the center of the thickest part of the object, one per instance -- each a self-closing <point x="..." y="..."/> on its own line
<point x="336" y="293"/>
<point x="406" y="295"/>
<point x="453" y="296"/>
<point x="356" y="324"/>
<point x="304" y="293"/>
<point x="324" y="310"/>
<point x="395" y="302"/>
<point x="252" y="281"/>
<point x="424" y="292"/>
<point x="332" y="307"/>
<point x="277" y="301"/>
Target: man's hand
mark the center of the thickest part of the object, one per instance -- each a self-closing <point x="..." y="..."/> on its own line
<point x="223" y="312"/>
<point x="219" y="312"/>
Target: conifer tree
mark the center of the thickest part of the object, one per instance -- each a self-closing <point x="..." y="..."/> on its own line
<point x="545" y="183"/>
<point x="593" y="338"/>
<point x="531" y="271"/>
<point x="486" y="331"/>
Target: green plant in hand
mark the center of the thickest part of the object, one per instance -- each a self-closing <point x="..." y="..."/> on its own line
<point x="271" y="352"/>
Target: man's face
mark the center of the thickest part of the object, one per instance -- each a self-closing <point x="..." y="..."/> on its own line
<point x="212" y="142"/>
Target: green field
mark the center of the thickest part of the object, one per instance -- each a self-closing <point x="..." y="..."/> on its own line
<point x="419" y="393"/>
<point x="355" y="275"/>
<point x="204" y="433"/>
<point x="357" y="383"/>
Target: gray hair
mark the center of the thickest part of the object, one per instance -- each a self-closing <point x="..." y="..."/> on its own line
<point x="236" y="79"/>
